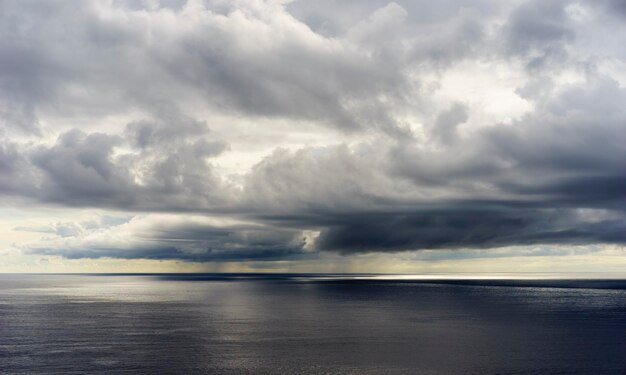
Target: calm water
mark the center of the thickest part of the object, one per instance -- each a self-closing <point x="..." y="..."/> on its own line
<point x="331" y="325"/>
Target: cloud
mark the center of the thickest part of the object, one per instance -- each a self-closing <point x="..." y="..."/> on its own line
<point x="79" y="166"/>
<point x="445" y="127"/>
<point x="164" y="237"/>
<point x="19" y="176"/>
<point x="502" y="185"/>
<point x="539" y="30"/>
<point x="158" y="162"/>
<point x="455" y="228"/>
<point x="355" y="119"/>
<point x="251" y="58"/>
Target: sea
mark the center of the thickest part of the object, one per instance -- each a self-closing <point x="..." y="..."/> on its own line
<point x="309" y="324"/>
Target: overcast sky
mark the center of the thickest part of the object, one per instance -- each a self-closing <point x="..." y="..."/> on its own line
<point x="330" y="136"/>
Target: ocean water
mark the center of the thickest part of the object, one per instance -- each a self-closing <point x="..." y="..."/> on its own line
<point x="309" y="324"/>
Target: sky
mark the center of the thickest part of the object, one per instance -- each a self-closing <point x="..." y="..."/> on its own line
<point x="312" y="136"/>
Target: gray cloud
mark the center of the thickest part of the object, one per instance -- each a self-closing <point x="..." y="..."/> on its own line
<point x="79" y="166"/>
<point x="159" y="164"/>
<point x="188" y="240"/>
<point x="539" y="31"/>
<point x="19" y="176"/>
<point x="74" y="58"/>
<point x="445" y="126"/>
<point x="454" y="228"/>
<point x="503" y="185"/>
<point x="129" y="109"/>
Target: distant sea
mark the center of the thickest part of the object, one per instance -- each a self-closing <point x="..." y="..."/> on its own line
<point x="309" y="324"/>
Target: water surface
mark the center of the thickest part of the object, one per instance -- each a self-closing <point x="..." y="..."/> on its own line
<point x="332" y="324"/>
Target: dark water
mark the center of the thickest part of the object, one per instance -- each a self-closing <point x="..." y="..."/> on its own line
<point x="277" y="324"/>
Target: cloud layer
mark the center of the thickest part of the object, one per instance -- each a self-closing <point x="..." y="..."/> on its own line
<point x="246" y="130"/>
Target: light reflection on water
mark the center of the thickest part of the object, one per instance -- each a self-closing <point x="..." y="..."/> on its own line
<point x="308" y="324"/>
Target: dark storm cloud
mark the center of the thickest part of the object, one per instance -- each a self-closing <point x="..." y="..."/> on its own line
<point x="455" y="228"/>
<point x="505" y="185"/>
<point x="231" y="243"/>
<point x="183" y="240"/>
<point x="172" y="252"/>
<point x="411" y="169"/>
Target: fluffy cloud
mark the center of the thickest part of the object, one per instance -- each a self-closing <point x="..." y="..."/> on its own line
<point x="144" y="108"/>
